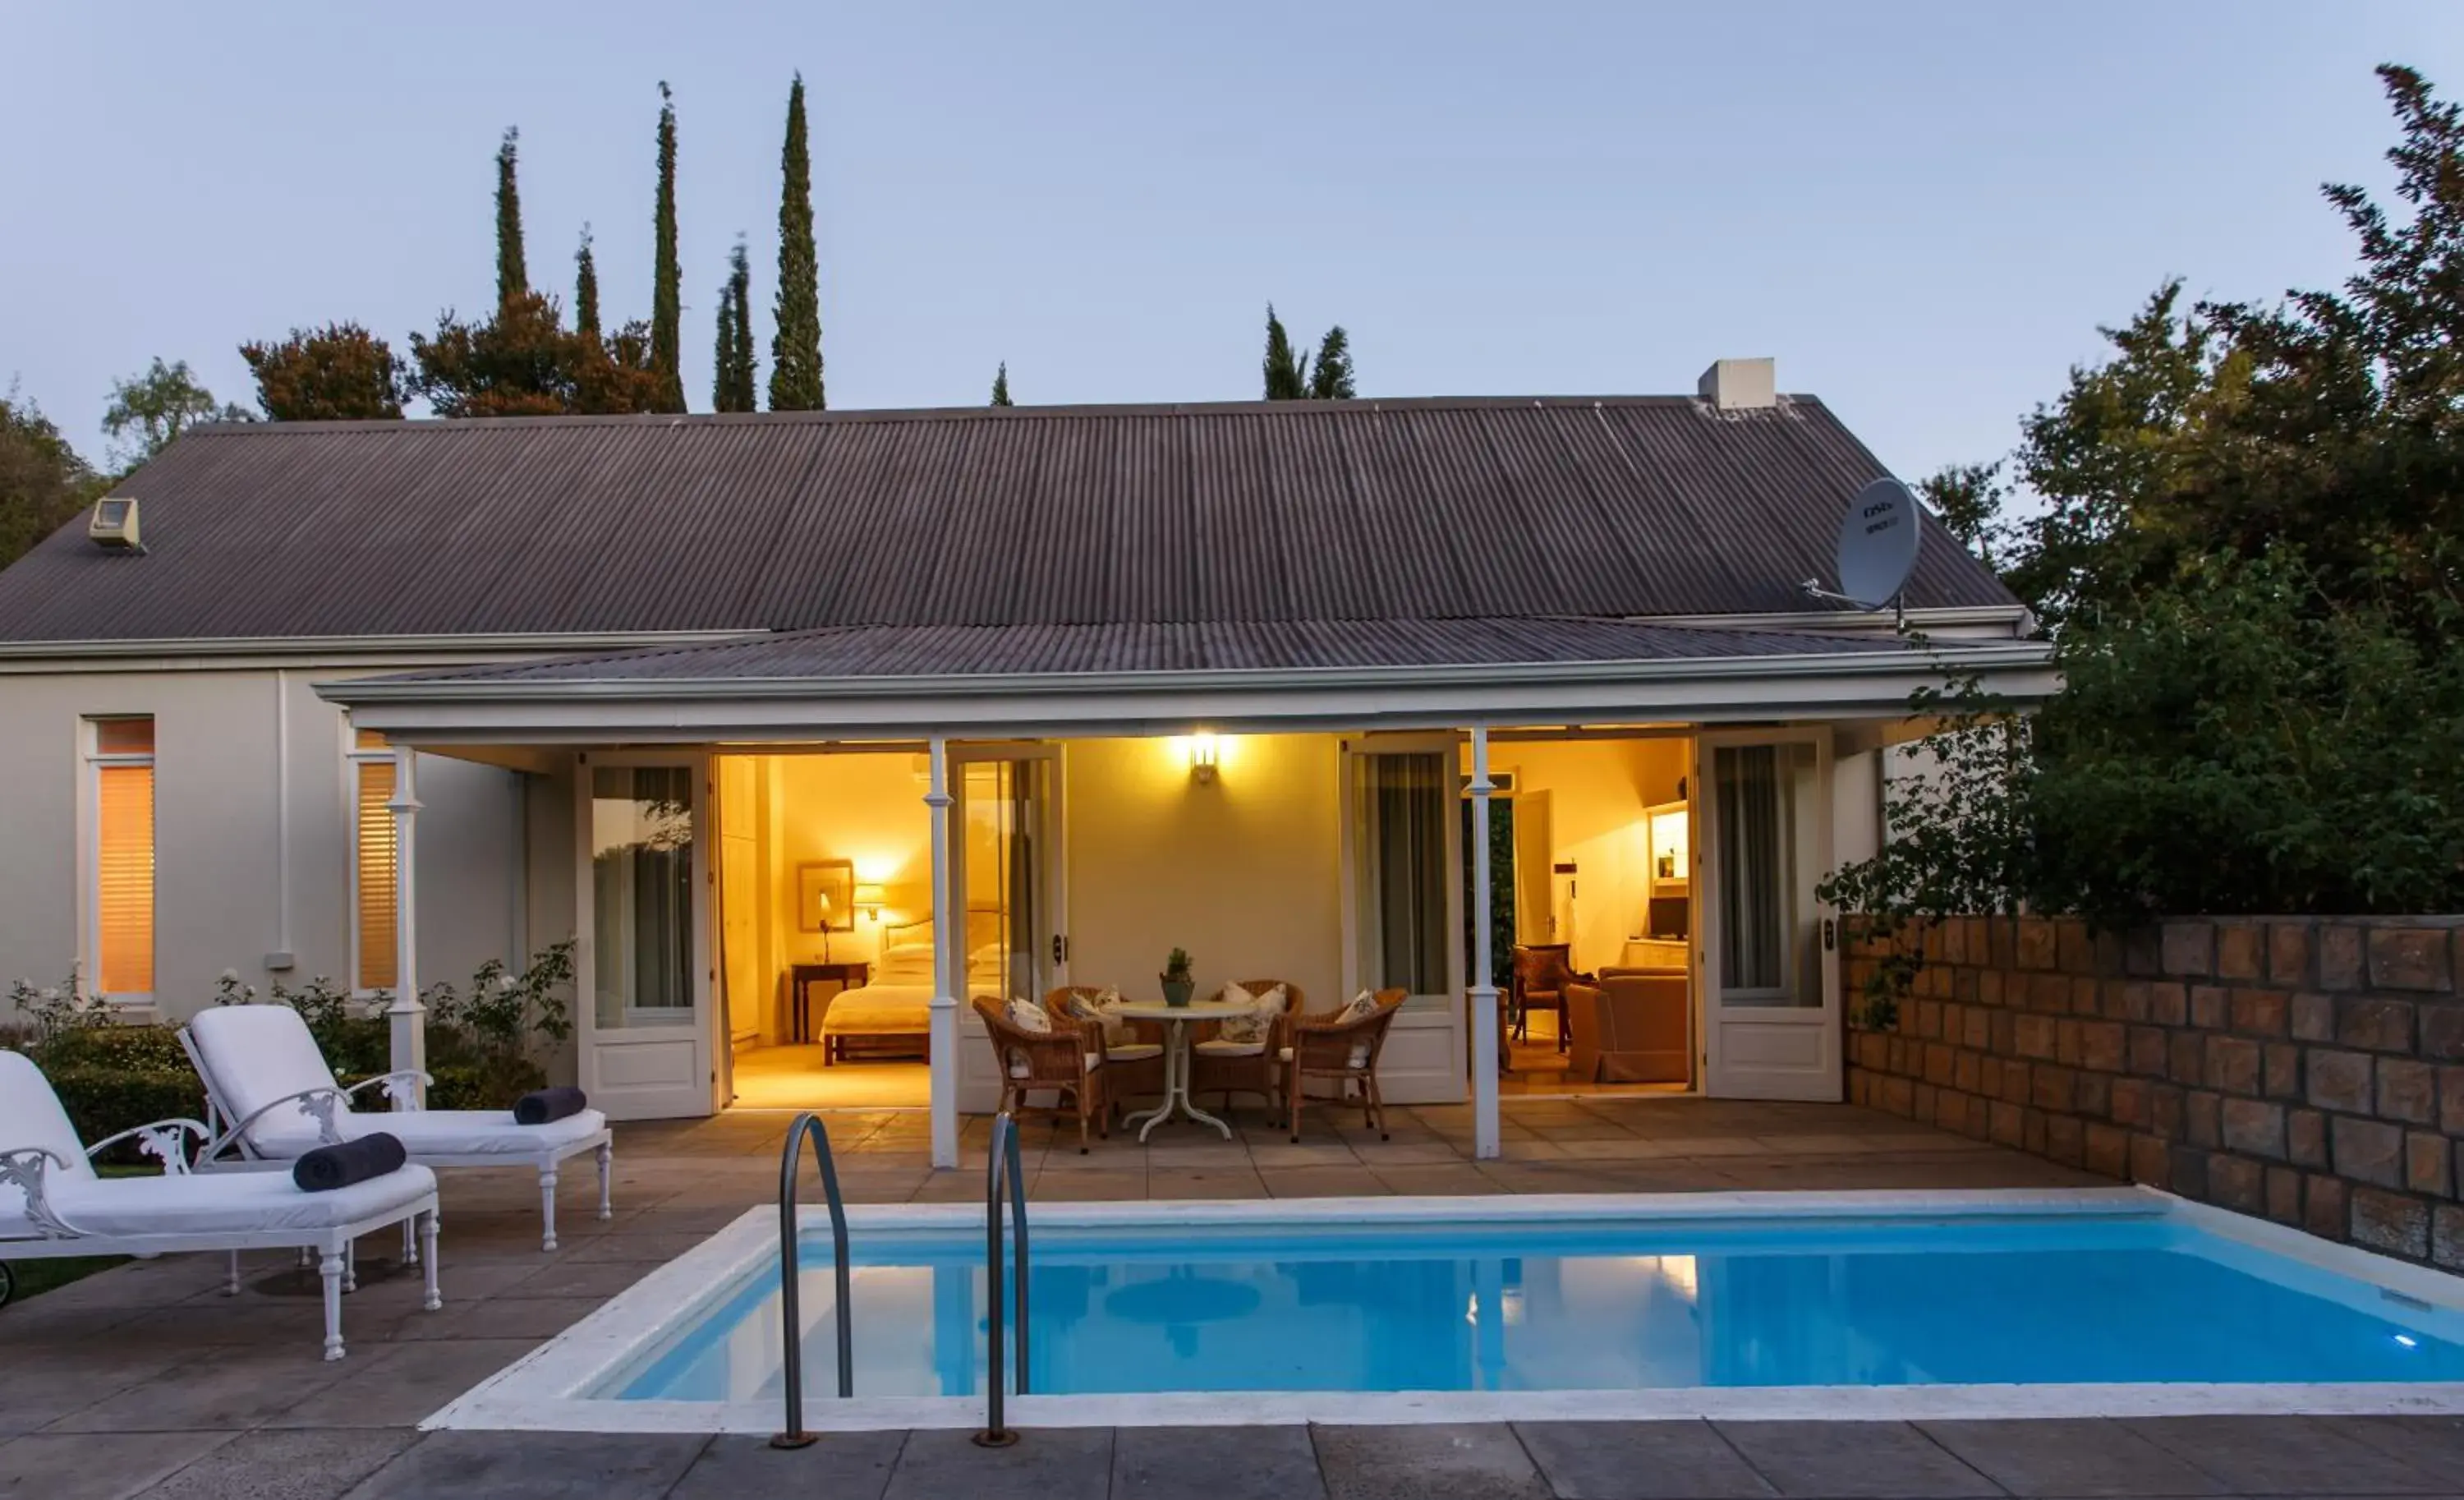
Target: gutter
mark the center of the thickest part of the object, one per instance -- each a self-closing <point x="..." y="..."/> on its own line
<point x="1996" y="657"/>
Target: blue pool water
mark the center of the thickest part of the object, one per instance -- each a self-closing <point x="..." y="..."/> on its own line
<point x="1541" y="1306"/>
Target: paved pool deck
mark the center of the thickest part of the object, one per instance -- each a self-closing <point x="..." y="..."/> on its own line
<point x="146" y="1381"/>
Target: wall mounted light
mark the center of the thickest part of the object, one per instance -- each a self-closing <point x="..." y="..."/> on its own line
<point x="869" y="901"/>
<point x="1201" y="759"/>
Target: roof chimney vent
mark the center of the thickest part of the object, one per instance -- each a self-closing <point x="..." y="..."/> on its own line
<point x="1739" y="385"/>
<point x="113" y="526"/>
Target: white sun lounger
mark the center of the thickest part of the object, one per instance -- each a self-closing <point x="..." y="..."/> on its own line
<point x="266" y="1079"/>
<point x="52" y="1204"/>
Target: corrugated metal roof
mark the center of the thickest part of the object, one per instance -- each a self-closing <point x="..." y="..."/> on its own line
<point x="946" y="650"/>
<point x="1246" y="512"/>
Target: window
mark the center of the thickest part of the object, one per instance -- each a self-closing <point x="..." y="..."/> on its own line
<point x="1399" y="810"/>
<point x="123" y="856"/>
<point x="372" y="862"/>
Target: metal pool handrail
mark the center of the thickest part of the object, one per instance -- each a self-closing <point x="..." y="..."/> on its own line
<point x="790" y="1313"/>
<point x="1001" y="1169"/>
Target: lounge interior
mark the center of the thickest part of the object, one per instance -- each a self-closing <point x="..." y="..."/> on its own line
<point x="1591" y="890"/>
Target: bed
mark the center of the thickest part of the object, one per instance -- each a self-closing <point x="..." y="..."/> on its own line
<point x="890" y="1015"/>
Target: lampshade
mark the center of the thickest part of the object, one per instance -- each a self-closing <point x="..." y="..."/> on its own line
<point x="869" y="900"/>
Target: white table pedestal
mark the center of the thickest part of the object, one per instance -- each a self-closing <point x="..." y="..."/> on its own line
<point x="1176" y="1059"/>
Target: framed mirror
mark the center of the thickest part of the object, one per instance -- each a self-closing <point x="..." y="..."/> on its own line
<point x="825" y="895"/>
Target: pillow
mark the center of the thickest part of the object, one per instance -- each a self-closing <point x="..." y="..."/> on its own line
<point x="1029" y="1015"/>
<point x="1363" y="1004"/>
<point x="1257" y="1023"/>
<point x="1100" y="1008"/>
<point x="904" y="966"/>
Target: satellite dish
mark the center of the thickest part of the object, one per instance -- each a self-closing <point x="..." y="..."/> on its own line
<point x="1877" y="543"/>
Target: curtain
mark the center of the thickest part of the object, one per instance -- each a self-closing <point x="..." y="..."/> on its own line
<point x="1406" y="798"/>
<point x="642" y="888"/>
<point x="1753" y="872"/>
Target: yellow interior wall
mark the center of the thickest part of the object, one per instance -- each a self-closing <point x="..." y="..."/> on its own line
<point x="1598" y="789"/>
<point x="865" y="807"/>
<point x="1243" y="872"/>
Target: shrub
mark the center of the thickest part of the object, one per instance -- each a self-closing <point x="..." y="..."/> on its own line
<point x="145" y="1049"/>
<point x="106" y="1099"/>
<point x="494" y="1083"/>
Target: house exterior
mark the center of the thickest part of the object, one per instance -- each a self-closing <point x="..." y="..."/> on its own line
<point x="379" y="701"/>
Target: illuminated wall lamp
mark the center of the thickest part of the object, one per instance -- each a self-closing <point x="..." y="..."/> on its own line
<point x="1202" y="760"/>
<point x="869" y="901"/>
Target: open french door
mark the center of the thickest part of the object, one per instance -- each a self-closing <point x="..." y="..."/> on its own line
<point x="1403" y="905"/>
<point x="1770" y="981"/>
<point x="643" y="1022"/>
<point x="1012" y="940"/>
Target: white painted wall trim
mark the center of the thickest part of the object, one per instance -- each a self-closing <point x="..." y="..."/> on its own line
<point x="949" y="961"/>
<point x="1483" y="993"/>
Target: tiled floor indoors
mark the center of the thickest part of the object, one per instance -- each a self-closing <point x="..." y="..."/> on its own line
<point x="146" y="1381"/>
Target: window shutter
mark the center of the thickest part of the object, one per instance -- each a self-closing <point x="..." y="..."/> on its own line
<point x="375" y="856"/>
<point x="125" y="871"/>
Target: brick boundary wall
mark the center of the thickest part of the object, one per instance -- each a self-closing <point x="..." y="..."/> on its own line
<point x="2308" y="1070"/>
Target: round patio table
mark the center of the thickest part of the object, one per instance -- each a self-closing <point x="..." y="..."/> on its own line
<point x="1176" y="1055"/>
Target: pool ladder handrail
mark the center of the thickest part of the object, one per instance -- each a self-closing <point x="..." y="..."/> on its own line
<point x="790" y="1312"/>
<point x="1002" y="1168"/>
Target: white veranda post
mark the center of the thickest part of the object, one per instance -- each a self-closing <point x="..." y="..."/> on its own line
<point x="407" y="1017"/>
<point x="1483" y="993"/>
<point x="949" y="934"/>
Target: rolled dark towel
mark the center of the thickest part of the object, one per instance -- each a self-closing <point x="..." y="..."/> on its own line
<point x="543" y="1106"/>
<point x="329" y="1168"/>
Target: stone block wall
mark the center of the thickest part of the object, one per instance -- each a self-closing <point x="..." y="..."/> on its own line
<point x="2309" y="1069"/>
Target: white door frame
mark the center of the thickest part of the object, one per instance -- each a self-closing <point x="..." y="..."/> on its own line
<point x="968" y="1080"/>
<point x="633" y="1090"/>
<point x="1766" y="1051"/>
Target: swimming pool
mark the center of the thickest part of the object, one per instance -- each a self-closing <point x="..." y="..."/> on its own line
<point x="2120" y="1300"/>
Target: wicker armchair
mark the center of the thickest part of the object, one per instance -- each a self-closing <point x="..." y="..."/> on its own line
<point x="1542" y="971"/>
<point x="1132" y="1070"/>
<point x="1059" y="1061"/>
<point x="1216" y="1068"/>
<point x="1345" y="1051"/>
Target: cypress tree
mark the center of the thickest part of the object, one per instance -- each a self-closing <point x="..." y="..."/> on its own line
<point x="796" y="340"/>
<point x="513" y="280"/>
<point x="733" y="389"/>
<point x="585" y="288"/>
<point x="1001" y="386"/>
<point x="667" y="334"/>
<point x="1287" y="372"/>
<point x="1332" y="380"/>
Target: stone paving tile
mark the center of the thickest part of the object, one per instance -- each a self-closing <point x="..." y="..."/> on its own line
<point x="1427" y="1463"/>
<point x="2436" y="1444"/>
<point x="842" y="1465"/>
<point x="225" y="1391"/>
<point x="502" y="1318"/>
<point x="286" y="1466"/>
<point x="1887" y="1459"/>
<point x="1046" y="1464"/>
<point x="534" y="1465"/>
<point x="1214" y="1463"/>
<point x="1353" y="1182"/>
<point x="562" y="1278"/>
<point x="2290" y="1456"/>
<point x="1436" y="1181"/>
<point x="2079" y="1458"/>
<point x="404" y="1384"/>
<point x="42" y="1382"/>
<point x="76" y="1466"/>
<point x="1635" y="1460"/>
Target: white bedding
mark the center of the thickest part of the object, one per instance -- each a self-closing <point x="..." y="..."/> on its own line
<point x="879" y="1010"/>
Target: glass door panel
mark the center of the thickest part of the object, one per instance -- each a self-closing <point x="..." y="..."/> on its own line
<point x="1772" y="1013"/>
<point x="642" y="895"/>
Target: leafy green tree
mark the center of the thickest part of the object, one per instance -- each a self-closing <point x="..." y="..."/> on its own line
<point x="513" y="277"/>
<point x="1330" y="379"/>
<point x="524" y="363"/>
<point x="1968" y="499"/>
<point x="796" y="336"/>
<point x="1287" y="370"/>
<point x="1001" y="386"/>
<point x="43" y="482"/>
<point x="585" y="287"/>
<point x="147" y="411"/>
<point x="340" y="372"/>
<point x="666" y="279"/>
<point x="732" y="389"/>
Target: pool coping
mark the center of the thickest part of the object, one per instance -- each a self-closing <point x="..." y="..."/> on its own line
<point x="536" y="1393"/>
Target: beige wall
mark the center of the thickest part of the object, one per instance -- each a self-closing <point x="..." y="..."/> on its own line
<point x="218" y="879"/>
<point x="1597" y="790"/>
<point x="1243" y="872"/>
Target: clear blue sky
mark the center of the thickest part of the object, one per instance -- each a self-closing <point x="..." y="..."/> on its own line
<point x="1922" y="210"/>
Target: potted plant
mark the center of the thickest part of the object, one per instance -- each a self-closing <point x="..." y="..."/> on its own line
<point x="1177" y="983"/>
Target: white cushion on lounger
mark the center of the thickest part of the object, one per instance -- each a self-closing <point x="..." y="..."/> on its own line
<point x="30" y="1117"/>
<point x="259" y="1053"/>
<point x="219" y="1203"/>
<point x="1219" y="1047"/>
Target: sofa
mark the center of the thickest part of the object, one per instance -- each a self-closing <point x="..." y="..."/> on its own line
<point x="1631" y="1026"/>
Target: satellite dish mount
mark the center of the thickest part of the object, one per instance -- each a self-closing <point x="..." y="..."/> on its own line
<point x="1877" y="550"/>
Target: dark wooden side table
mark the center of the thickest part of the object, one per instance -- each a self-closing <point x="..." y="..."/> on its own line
<point x="802" y="977"/>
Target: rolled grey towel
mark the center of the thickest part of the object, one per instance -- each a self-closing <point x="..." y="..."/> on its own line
<point x="543" y="1106"/>
<point x="329" y="1168"/>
